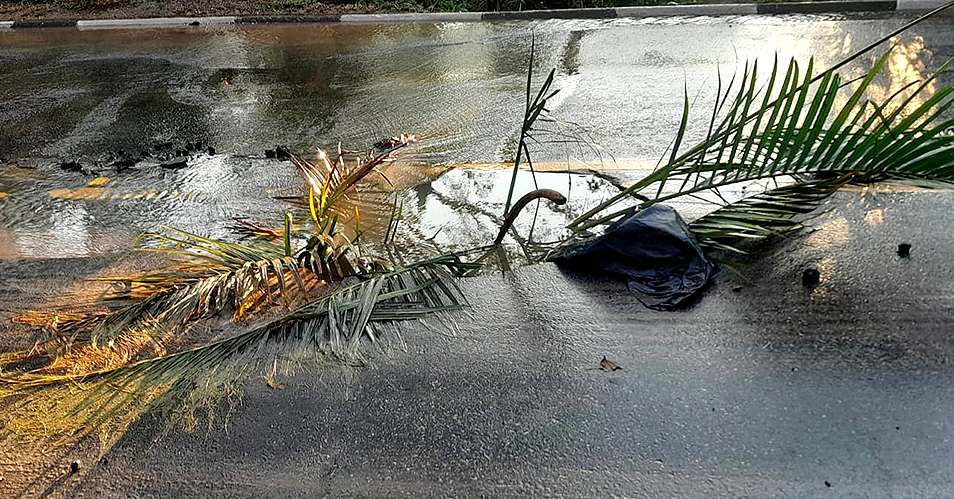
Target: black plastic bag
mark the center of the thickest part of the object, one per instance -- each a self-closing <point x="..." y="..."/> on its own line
<point x="652" y="249"/>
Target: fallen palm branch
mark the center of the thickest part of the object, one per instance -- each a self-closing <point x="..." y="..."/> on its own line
<point x="137" y="349"/>
<point x="334" y="327"/>
<point x="796" y="128"/>
<point x="211" y="276"/>
<point x="330" y="179"/>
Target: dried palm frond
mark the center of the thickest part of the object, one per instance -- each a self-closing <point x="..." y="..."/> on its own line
<point x="253" y="229"/>
<point x="210" y="277"/>
<point x="335" y="326"/>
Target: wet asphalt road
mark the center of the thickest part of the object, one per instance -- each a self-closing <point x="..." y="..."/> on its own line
<point x="774" y="390"/>
<point x="93" y="97"/>
<point x="459" y="87"/>
<point x="768" y="390"/>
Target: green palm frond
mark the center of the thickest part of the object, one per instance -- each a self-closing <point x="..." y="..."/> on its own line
<point x="770" y="213"/>
<point x="534" y="108"/>
<point x="329" y="180"/>
<point x="335" y="326"/>
<point x="798" y="124"/>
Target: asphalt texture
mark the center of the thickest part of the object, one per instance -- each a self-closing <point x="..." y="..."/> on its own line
<point x="763" y="388"/>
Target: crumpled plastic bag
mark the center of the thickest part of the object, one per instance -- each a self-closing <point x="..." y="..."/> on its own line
<point x="652" y="249"/>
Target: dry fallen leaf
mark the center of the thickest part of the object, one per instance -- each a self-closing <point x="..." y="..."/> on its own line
<point x="98" y="181"/>
<point x="273" y="384"/>
<point x="608" y="365"/>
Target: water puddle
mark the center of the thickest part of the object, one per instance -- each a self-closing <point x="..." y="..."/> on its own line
<point x="458" y="86"/>
<point x="48" y="212"/>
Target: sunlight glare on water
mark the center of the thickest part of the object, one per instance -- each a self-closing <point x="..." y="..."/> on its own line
<point x="84" y="95"/>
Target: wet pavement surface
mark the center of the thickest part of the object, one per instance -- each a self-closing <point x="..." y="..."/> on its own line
<point x="770" y="389"/>
<point x="459" y="86"/>
<point x="80" y="105"/>
<point x="765" y="388"/>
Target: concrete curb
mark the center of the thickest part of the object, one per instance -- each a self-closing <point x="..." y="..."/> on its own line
<point x="921" y="5"/>
<point x="730" y="9"/>
<point x="725" y="9"/>
<point x="821" y="7"/>
<point x="550" y="14"/>
<point x="155" y="22"/>
<point x="440" y="17"/>
<point x="286" y="19"/>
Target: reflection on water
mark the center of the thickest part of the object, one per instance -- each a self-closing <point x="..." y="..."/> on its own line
<point x="70" y="232"/>
<point x="462" y="209"/>
<point x="459" y="87"/>
<point x="906" y="65"/>
<point x="69" y="235"/>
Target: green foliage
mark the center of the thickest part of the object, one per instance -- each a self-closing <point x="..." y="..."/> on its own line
<point x="535" y="107"/>
<point x="477" y="5"/>
<point x="83" y="4"/>
<point x="291" y="4"/>
<point x="424" y="5"/>
<point x="797" y="123"/>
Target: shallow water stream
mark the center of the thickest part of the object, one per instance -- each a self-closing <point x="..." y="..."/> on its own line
<point x="93" y="96"/>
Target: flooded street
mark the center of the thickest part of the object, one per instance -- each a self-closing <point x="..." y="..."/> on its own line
<point x="93" y="96"/>
<point x="763" y="386"/>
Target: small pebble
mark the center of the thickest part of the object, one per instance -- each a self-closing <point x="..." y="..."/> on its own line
<point x="904" y="250"/>
<point x="811" y="276"/>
